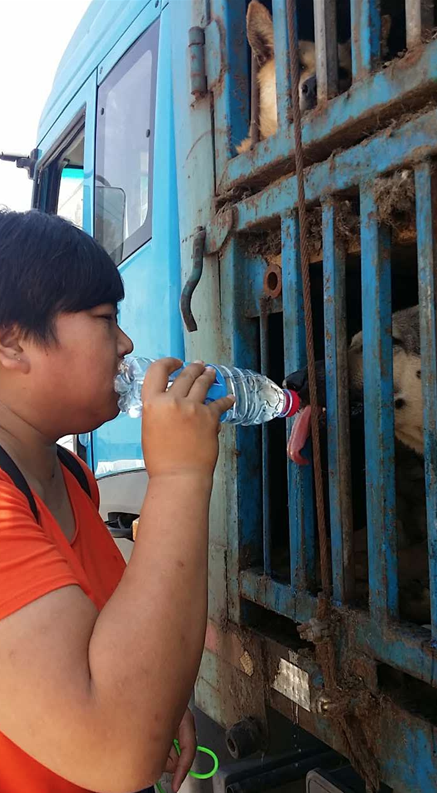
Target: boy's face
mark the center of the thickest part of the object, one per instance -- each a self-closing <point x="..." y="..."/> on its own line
<point x="70" y="384"/>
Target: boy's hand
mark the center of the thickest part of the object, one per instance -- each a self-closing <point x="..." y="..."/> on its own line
<point x="179" y="432"/>
<point x="177" y="765"/>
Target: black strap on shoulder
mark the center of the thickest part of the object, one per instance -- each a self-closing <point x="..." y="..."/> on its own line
<point x="71" y="462"/>
<point x="65" y="457"/>
<point x="11" y="469"/>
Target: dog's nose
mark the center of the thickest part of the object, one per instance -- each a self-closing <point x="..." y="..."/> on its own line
<point x="309" y="87"/>
<point x="297" y="380"/>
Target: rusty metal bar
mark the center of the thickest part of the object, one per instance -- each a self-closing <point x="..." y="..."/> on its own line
<point x="282" y="63"/>
<point x="325" y="33"/>
<point x="264" y="355"/>
<point x="254" y="103"/>
<point x="426" y="211"/>
<point x="337" y="406"/>
<point x="366" y="36"/>
<point x="419" y="20"/>
<point x="378" y="410"/>
<point x="300" y="481"/>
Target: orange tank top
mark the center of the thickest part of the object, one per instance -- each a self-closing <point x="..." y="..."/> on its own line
<point x="36" y="558"/>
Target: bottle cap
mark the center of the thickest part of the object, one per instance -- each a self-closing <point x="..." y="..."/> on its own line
<point x="292" y="403"/>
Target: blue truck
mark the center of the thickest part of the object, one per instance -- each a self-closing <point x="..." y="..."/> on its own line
<point x="140" y="142"/>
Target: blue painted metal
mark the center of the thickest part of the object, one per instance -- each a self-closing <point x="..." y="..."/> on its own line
<point x="150" y="311"/>
<point x="100" y="28"/>
<point x="337" y="407"/>
<point x="378" y="410"/>
<point x="426" y="210"/>
<point x="408" y="143"/>
<point x="231" y="101"/>
<point x="300" y="489"/>
<point x="366" y="36"/>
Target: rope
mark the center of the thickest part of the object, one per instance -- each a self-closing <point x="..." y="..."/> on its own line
<point x="305" y="265"/>
<point x="351" y="727"/>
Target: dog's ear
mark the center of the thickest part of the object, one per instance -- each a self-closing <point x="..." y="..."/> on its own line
<point x="259" y="26"/>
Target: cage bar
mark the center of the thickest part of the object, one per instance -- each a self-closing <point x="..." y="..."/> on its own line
<point x="325" y="33"/>
<point x="282" y="63"/>
<point x="378" y="410"/>
<point x="337" y="406"/>
<point x="426" y="210"/>
<point x="264" y="354"/>
<point x="366" y="36"/>
<point x="300" y="486"/>
<point x="254" y="102"/>
<point x="419" y="16"/>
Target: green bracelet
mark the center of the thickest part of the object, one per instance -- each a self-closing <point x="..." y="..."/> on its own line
<point x="194" y="774"/>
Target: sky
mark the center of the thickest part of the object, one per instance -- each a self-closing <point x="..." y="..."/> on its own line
<point x="33" y="37"/>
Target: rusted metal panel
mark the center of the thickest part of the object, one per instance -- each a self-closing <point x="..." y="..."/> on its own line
<point x="403" y="145"/>
<point x="406" y="648"/>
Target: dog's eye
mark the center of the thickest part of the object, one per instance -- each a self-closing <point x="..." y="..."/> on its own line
<point x="399" y="403"/>
<point x="302" y="67"/>
<point x="397" y="342"/>
<point x="419" y="374"/>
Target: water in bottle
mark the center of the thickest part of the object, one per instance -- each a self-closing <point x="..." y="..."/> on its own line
<point x="257" y="398"/>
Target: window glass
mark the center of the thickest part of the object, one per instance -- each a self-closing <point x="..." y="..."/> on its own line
<point x="70" y="201"/>
<point x="124" y="150"/>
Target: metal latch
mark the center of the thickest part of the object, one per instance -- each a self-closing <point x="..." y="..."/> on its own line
<point x="193" y="279"/>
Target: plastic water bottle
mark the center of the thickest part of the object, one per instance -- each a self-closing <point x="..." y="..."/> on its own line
<point x="257" y="398"/>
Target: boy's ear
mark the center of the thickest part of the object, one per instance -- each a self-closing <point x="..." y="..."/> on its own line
<point x="12" y="354"/>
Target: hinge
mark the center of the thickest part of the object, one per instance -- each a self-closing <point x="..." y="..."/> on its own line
<point x="196" y="46"/>
<point x="205" y="59"/>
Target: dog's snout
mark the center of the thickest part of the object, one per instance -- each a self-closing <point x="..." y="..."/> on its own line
<point x="297" y="380"/>
<point x="309" y="87"/>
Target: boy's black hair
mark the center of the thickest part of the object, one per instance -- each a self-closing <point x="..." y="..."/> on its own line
<point x="48" y="266"/>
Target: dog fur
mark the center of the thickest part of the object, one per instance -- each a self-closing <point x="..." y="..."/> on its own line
<point x="409" y="463"/>
<point x="407" y="386"/>
<point x="259" y="28"/>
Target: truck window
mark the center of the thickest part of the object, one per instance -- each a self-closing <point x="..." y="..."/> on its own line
<point x="61" y="178"/>
<point x="124" y="150"/>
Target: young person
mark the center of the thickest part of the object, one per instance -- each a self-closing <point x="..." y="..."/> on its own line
<point x="97" y="659"/>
